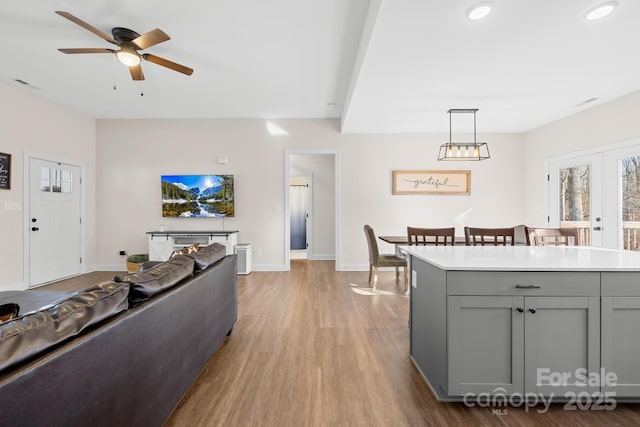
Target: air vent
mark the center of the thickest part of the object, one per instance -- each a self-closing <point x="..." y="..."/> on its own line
<point x="25" y="83"/>
<point x="588" y="101"/>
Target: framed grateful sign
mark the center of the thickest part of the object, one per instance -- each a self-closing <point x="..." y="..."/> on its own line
<point x="432" y="182"/>
<point x="5" y="171"/>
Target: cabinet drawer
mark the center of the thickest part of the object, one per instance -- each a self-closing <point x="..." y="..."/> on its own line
<point x="621" y="284"/>
<point x="523" y="283"/>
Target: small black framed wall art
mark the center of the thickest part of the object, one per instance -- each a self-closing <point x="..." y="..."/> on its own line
<point x="5" y="171"/>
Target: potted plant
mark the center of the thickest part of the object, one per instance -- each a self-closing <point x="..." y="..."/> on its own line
<point x="135" y="261"/>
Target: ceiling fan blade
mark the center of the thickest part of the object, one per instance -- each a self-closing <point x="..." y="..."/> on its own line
<point x="136" y="72"/>
<point x="87" y="50"/>
<point x="86" y="26"/>
<point x="169" y="64"/>
<point x="151" y="38"/>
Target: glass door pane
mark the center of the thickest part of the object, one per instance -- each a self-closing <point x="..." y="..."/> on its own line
<point x="629" y="175"/>
<point x="575" y="196"/>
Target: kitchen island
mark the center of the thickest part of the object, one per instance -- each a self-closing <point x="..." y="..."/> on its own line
<point x="523" y="320"/>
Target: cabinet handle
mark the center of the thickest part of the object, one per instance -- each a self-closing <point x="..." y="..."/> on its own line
<point x="520" y="310"/>
<point x="532" y="310"/>
<point x="527" y="287"/>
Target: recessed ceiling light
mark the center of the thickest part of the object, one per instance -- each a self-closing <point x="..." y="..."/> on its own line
<point x="600" y="11"/>
<point x="479" y="10"/>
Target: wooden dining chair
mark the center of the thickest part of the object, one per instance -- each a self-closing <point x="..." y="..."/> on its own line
<point x="564" y="236"/>
<point x="475" y="236"/>
<point x="431" y="236"/>
<point x="376" y="259"/>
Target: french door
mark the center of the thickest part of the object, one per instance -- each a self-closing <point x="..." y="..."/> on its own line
<point x="53" y="221"/>
<point x="622" y="205"/>
<point x="576" y="196"/>
<point x="600" y="195"/>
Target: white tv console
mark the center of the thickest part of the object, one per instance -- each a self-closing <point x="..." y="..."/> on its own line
<point x="163" y="243"/>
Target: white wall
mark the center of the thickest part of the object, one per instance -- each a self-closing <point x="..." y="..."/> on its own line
<point x="33" y="125"/>
<point x="609" y="123"/>
<point x="134" y="153"/>
<point x="122" y="189"/>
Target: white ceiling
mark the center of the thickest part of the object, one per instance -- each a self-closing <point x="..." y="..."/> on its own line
<point x="382" y="65"/>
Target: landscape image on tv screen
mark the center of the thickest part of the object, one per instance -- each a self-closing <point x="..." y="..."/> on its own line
<point x="197" y="196"/>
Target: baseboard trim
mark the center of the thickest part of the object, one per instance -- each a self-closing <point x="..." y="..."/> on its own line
<point x="322" y="257"/>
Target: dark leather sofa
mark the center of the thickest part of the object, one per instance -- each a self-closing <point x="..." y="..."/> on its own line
<point x="133" y="368"/>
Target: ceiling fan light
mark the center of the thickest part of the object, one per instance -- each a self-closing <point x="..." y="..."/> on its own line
<point x="128" y="57"/>
<point x="600" y="11"/>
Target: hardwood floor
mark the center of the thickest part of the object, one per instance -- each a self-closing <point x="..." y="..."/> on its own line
<point x="315" y="347"/>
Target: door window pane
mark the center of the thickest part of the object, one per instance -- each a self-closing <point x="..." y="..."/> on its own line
<point x="45" y="179"/>
<point x="575" y="204"/>
<point x="629" y="168"/>
<point x="67" y="177"/>
<point x="55" y="180"/>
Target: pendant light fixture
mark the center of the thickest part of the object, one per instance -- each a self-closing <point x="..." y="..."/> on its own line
<point x="464" y="151"/>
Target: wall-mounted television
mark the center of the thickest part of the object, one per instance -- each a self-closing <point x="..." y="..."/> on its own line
<point x="197" y="196"/>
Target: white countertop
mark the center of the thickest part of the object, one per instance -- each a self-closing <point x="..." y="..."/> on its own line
<point x="526" y="258"/>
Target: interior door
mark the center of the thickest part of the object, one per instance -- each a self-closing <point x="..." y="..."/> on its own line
<point x="576" y="197"/>
<point x="53" y="221"/>
<point x="299" y="213"/>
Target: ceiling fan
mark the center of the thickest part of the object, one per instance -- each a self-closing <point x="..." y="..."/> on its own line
<point x="129" y="43"/>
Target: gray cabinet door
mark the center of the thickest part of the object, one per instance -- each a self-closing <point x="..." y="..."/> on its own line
<point x="562" y="344"/>
<point x="621" y="345"/>
<point x="485" y="344"/>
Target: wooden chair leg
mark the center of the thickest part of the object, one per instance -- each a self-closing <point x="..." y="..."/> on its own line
<point x="375" y="278"/>
<point x="397" y="274"/>
<point x="370" y="272"/>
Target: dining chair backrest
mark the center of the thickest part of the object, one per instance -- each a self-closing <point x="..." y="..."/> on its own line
<point x="431" y="236"/>
<point x="476" y="236"/>
<point x="374" y="254"/>
<point x="564" y="236"/>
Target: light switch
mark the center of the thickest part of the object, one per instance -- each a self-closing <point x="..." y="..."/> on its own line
<point x="12" y="206"/>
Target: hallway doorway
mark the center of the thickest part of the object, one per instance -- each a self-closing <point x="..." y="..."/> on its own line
<point x="311" y="205"/>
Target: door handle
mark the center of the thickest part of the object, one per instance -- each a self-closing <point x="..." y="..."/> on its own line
<point x="34" y="229"/>
<point x="597" y="228"/>
<point x="532" y="310"/>
<point x="527" y="287"/>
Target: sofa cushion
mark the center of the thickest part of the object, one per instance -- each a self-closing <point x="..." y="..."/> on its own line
<point x="208" y="255"/>
<point x="31" y="333"/>
<point x="145" y="284"/>
<point x="34" y="300"/>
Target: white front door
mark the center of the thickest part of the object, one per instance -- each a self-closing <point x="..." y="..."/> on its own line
<point x="576" y="197"/>
<point x="53" y="221"/>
